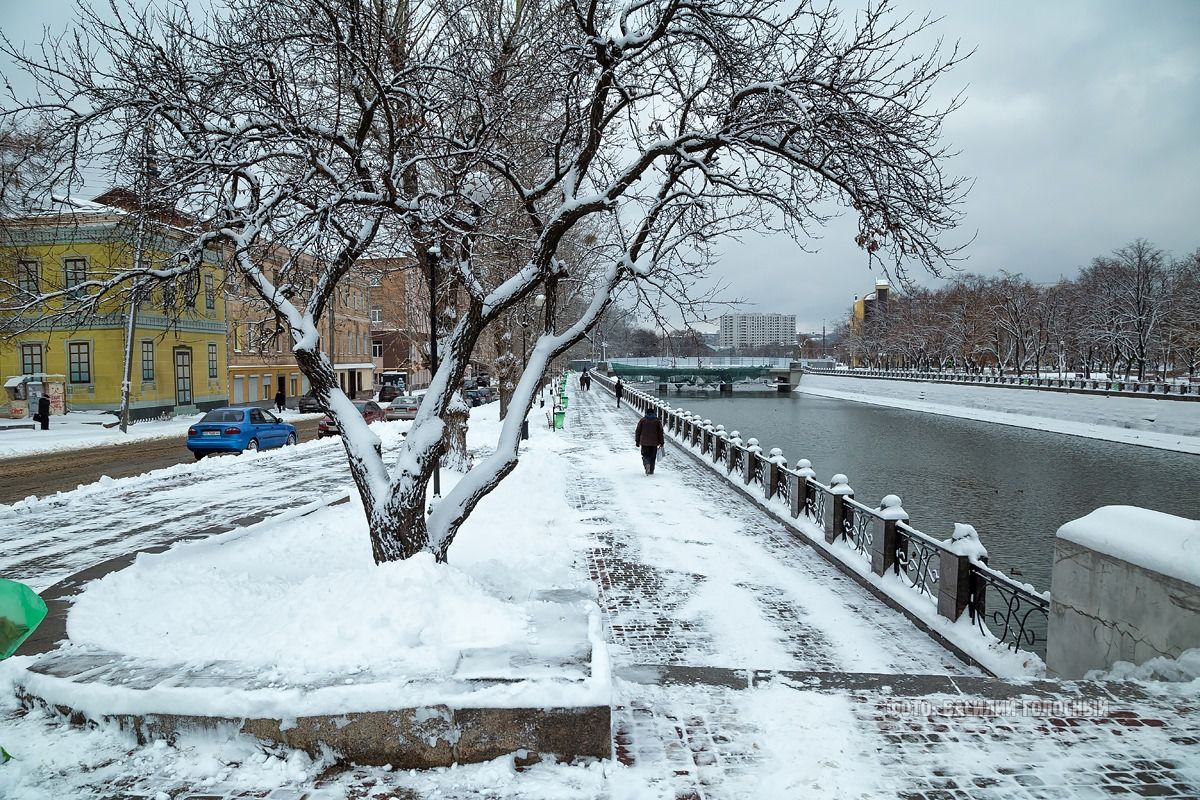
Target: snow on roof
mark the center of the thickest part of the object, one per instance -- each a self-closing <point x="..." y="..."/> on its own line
<point x="1160" y="542"/>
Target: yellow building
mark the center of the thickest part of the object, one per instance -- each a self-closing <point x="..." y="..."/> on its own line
<point x="179" y="350"/>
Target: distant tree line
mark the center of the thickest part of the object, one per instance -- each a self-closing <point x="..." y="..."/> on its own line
<point x="1135" y="312"/>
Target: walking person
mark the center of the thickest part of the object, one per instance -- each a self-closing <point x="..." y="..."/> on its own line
<point x="620" y="391"/>
<point x="280" y="401"/>
<point x="649" y="436"/>
<point x="42" y="416"/>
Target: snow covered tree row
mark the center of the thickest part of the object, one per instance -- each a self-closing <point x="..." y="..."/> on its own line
<point x="1135" y="312"/>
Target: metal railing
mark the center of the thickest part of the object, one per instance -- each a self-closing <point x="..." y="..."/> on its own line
<point x="1014" y="613"/>
<point x="1107" y="386"/>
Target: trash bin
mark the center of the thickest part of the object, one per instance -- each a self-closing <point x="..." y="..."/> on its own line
<point x="560" y="420"/>
<point x="562" y="400"/>
<point x="21" y="611"/>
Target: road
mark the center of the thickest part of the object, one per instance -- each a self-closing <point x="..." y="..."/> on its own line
<point x="45" y="540"/>
<point x="60" y="471"/>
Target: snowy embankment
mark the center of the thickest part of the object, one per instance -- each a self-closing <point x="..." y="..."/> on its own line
<point x="82" y="429"/>
<point x="1164" y="424"/>
<point x="303" y="622"/>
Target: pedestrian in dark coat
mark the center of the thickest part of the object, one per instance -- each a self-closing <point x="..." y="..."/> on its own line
<point x="620" y="390"/>
<point x="43" y="412"/>
<point x="649" y="436"/>
<point x="280" y="401"/>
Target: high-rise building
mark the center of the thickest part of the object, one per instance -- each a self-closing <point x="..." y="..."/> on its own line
<point x="757" y="329"/>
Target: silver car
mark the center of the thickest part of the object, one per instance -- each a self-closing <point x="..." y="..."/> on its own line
<point x="403" y="407"/>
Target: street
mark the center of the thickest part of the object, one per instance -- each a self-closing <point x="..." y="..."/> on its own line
<point x="46" y="473"/>
<point x="44" y="540"/>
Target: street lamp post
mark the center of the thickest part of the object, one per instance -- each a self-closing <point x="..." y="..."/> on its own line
<point x="432" y="258"/>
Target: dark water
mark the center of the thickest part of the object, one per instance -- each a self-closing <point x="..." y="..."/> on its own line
<point x="1016" y="486"/>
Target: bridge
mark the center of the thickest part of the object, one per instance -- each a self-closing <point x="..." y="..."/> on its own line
<point x="783" y="373"/>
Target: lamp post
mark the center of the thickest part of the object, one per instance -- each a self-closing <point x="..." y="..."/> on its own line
<point x="432" y="258"/>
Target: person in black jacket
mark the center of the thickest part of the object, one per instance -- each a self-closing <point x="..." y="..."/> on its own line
<point x="620" y="390"/>
<point x="649" y="436"/>
<point x="280" y="401"/>
<point x="43" y="413"/>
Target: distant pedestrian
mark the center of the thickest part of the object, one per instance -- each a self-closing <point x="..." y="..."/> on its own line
<point x="620" y="392"/>
<point x="280" y="401"/>
<point x="587" y="382"/>
<point x="649" y="436"/>
<point x="43" y="413"/>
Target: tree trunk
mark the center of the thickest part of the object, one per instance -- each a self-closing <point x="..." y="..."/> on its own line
<point x="455" y="435"/>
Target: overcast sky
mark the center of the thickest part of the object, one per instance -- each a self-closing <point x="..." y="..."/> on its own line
<point x="1081" y="130"/>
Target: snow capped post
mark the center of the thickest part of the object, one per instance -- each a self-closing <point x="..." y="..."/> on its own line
<point x="714" y="440"/>
<point x="800" y="489"/>
<point x="734" y="442"/>
<point x="775" y="463"/>
<point x="954" y="582"/>
<point x="752" y="452"/>
<point x="843" y="513"/>
<point x="887" y="540"/>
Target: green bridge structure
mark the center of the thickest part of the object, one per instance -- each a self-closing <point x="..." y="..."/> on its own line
<point x="783" y="374"/>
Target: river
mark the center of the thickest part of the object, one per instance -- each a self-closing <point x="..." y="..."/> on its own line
<point x="1015" y="485"/>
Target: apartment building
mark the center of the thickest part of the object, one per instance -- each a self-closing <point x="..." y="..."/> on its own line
<point x="756" y="330"/>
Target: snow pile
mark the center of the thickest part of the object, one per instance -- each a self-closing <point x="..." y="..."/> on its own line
<point x="1162" y="543"/>
<point x="1184" y="669"/>
<point x="297" y="602"/>
<point x="965" y="542"/>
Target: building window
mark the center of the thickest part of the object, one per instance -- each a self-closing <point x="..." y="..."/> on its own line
<point x="79" y="361"/>
<point x="147" y="361"/>
<point x="28" y="277"/>
<point x="31" y="359"/>
<point x="212" y="361"/>
<point x="376" y="349"/>
<point x="74" y="274"/>
<point x="237" y="338"/>
<point x="376" y="315"/>
<point x="210" y="293"/>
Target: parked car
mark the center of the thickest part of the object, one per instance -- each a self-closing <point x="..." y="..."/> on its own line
<point x="369" y="409"/>
<point x="403" y="407"/>
<point x="475" y="397"/>
<point x="235" y="430"/>
<point x="308" y="404"/>
<point x="390" y="391"/>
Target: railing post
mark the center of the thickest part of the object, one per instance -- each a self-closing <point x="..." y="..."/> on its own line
<point x="843" y="512"/>
<point x="752" y="451"/>
<point x="799" y="489"/>
<point x="958" y="588"/>
<point x="735" y="440"/>
<point x="775" y="463"/>
<point x="886" y="541"/>
<point x="954" y="584"/>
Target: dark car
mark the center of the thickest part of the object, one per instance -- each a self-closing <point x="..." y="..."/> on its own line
<point x="308" y="404"/>
<point x="235" y="430"/>
<point x="389" y="392"/>
<point x="369" y="409"/>
<point x="475" y="397"/>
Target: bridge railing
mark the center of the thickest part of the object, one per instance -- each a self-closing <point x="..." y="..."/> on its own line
<point x="949" y="578"/>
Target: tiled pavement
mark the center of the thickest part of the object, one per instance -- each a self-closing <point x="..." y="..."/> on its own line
<point x="696" y="717"/>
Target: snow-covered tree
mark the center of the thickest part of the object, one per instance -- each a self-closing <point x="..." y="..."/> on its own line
<point x="346" y="129"/>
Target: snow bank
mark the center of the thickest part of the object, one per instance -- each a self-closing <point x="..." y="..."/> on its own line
<point x="1164" y="424"/>
<point x="1184" y="669"/>
<point x="1162" y="543"/>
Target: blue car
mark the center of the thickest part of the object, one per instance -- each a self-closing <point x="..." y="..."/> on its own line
<point x="236" y="430"/>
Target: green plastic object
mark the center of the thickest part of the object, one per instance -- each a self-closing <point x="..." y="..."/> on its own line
<point x="562" y="401"/>
<point x="21" y="611"/>
<point x="560" y="420"/>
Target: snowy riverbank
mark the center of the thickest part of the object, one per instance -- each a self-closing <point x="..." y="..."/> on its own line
<point x="1164" y="424"/>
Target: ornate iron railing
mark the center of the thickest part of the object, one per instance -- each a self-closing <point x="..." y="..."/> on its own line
<point x="815" y="502"/>
<point x="759" y="469"/>
<point x="1015" y="613"/>
<point x="858" y="526"/>
<point x="783" y="488"/>
<point x="918" y="559"/>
